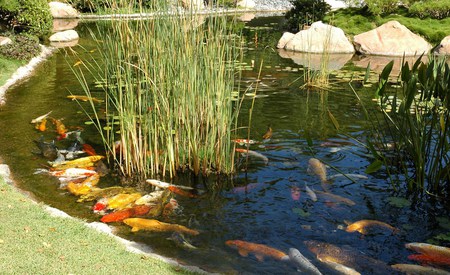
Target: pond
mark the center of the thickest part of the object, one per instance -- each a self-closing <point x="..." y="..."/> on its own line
<point x="261" y="206"/>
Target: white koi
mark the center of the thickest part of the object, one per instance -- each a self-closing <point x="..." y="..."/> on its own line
<point x="310" y="192"/>
<point x="165" y="185"/>
<point x="40" y="118"/>
<point x="302" y="263"/>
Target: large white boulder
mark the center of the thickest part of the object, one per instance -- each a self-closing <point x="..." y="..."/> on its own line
<point x="320" y="38"/>
<point x="286" y="37"/>
<point x="443" y="47"/>
<point x="393" y="39"/>
<point x="62" y="10"/>
<point x="5" y="40"/>
<point x="193" y="4"/>
<point x="246" y="4"/>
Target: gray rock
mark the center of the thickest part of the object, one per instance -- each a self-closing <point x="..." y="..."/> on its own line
<point x="393" y="39"/>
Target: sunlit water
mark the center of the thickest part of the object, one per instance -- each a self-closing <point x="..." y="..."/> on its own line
<point x="265" y="212"/>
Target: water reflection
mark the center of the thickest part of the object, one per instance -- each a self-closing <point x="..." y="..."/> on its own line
<point x="316" y="61"/>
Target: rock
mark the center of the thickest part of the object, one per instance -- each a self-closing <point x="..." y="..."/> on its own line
<point x="5" y="40"/>
<point x="286" y="37"/>
<point x="317" y="61"/>
<point x="246" y="4"/>
<point x="62" y="10"/>
<point x="64" y="24"/>
<point x="320" y="38"/>
<point x="64" y="36"/>
<point x="393" y="39"/>
<point x="193" y="4"/>
<point x="247" y="17"/>
<point x="443" y="48"/>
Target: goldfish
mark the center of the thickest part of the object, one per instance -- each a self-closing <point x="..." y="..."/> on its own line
<point x="268" y="133"/>
<point x="362" y="226"/>
<point x="121" y="201"/>
<point x="40" y="118"/>
<point x="42" y="126"/>
<point x="347" y="257"/>
<point x="89" y="150"/>
<point x="336" y="198"/>
<point x="412" y="269"/>
<point x="77" y="163"/>
<point x="180" y="192"/>
<point x="302" y="263"/>
<point x="429" y="249"/>
<point x="157" y="226"/>
<point x="120" y="215"/>
<point x="316" y="167"/>
<point x="242" y="141"/>
<point x="84" y="98"/>
<point x="310" y="193"/>
<point x="106" y="193"/>
<point x="253" y="154"/>
<point x="164" y="185"/>
<point x="259" y="250"/>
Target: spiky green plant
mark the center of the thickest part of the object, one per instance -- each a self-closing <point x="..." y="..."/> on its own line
<point x="168" y="84"/>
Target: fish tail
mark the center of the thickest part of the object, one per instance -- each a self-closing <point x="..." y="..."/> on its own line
<point x="135" y="229"/>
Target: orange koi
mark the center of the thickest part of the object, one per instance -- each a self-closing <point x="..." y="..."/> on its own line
<point x="259" y="250"/>
<point x="120" y="215"/>
<point x="362" y="226"/>
<point x="84" y="98"/>
<point x="180" y="192"/>
<point x="42" y="126"/>
<point x="429" y="249"/>
<point x="430" y="259"/>
<point x="89" y="150"/>
<point x="157" y="226"/>
<point x="60" y="127"/>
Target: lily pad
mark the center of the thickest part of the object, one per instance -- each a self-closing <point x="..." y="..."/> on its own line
<point x="300" y="212"/>
<point x="398" y="202"/>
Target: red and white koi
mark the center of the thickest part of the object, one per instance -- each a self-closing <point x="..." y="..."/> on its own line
<point x="242" y="141"/>
<point x="165" y="185"/>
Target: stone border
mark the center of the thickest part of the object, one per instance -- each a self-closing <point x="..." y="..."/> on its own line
<point x="25" y="71"/>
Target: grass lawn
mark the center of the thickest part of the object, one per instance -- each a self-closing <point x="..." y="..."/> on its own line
<point x="34" y="242"/>
<point x="8" y="67"/>
<point x="355" y="21"/>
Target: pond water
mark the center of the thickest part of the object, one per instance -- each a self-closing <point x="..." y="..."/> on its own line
<point x="260" y="206"/>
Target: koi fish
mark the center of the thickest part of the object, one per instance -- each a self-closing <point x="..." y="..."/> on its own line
<point x="106" y="193"/>
<point x="60" y="127"/>
<point x="362" y="226"/>
<point x="121" y="201"/>
<point x="242" y="141"/>
<point x="79" y="62"/>
<point x="42" y="126"/>
<point x="259" y="250"/>
<point x="48" y="149"/>
<point x="68" y="173"/>
<point x="180" y="192"/>
<point x="40" y="118"/>
<point x="84" y="98"/>
<point x="165" y="185"/>
<point x="302" y="263"/>
<point x="336" y="198"/>
<point x="157" y="226"/>
<point x="89" y="150"/>
<point x="170" y="207"/>
<point x="180" y="240"/>
<point x="418" y="269"/>
<point x="100" y="206"/>
<point x="120" y="215"/>
<point x="84" y="187"/>
<point x="429" y="249"/>
<point x="353" y="177"/>
<point x="152" y="197"/>
<point x="77" y="163"/>
<point x="316" y="167"/>
<point x="310" y="193"/>
<point x="253" y="154"/>
<point x="268" y="133"/>
<point x="342" y="269"/>
<point x="430" y="259"/>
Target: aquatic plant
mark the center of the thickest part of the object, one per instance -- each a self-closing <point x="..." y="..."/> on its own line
<point x="168" y="83"/>
<point x="413" y="133"/>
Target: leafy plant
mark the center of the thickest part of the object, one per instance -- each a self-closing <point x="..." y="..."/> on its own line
<point x="379" y="7"/>
<point x="305" y="12"/>
<point x="24" y="47"/>
<point x="437" y="9"/>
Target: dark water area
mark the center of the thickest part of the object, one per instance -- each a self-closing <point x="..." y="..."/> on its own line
<point x="259" y="207"/>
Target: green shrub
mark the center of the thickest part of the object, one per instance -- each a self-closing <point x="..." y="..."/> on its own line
<point x="437" y="9"/>
<point x="24" y="47"/>
<point x="32" y="16"/>
<point x="379" y="7"/>
<point x="90" y="5"/>
<point x="305" y="12"/>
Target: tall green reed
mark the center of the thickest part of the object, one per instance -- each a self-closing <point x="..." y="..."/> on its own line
<point x="412" y="136"/>
<point x="168" y="84"/>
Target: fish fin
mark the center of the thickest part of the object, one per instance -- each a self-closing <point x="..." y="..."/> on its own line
<point x="135" y="229"/>
<point x="243" y="252"/>
<point x="260" y="257"/>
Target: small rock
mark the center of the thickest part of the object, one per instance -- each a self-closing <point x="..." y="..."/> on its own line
<point x="64" y="36"/>
<point x="5" y="40"/>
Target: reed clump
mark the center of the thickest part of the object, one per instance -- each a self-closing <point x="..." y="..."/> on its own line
<point x="412" y="139"/>
<point x="168" y="83"/>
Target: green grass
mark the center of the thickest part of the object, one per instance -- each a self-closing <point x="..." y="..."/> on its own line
<point x="7" y="68"/>
<point x="34" y="242"/>
<point x="355" y="21"/>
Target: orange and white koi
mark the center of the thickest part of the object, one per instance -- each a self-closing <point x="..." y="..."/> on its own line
<point x="164" y="185"/>
<point x="181" y="192"/>
<point x="255" y="154"/>
<point x="42" y="126"/>
<point x="430" y="249"/>
<point x="60" y="127"/>
<point x="316" y="167"/>
<point x="242" y="141"/>
<point x="259" y="250"/>
<point x="157" y="226"/>
<point x="363" y="225"/>
<point x="40" y="118"/>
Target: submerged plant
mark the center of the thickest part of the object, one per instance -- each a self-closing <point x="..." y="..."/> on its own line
<point x="413" y="135"/>
<point x="168" y="83"/>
